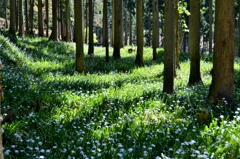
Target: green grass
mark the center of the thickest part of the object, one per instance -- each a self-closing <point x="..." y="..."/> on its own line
<point x="117" y="110"/>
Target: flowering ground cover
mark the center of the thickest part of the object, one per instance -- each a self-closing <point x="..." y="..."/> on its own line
<point x="117" y="110"/>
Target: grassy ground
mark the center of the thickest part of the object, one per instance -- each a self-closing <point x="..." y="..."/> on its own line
<point x="117" y="110"/>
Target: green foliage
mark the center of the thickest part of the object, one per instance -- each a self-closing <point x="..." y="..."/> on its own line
<point x="116" y="111"/>
<point x="94" y="35"/>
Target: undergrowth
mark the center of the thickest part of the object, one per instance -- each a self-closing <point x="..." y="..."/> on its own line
<point x="117" y="110"/>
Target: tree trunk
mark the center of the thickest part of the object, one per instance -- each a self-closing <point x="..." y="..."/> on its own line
<point x="68" y="32"/>
<point x="47" y="17"/>
<point x="16" y="6"/>
<point x="121" y="23"/>
<point x="239" y="28"/>
<point x="155" y="27"/>
<point x="54" y="34"/>
<point x="125" y="23"/>
<point x="169" y="46"/>
<point x="5" y="14"/>
<point x="31" y="16"/>
<point x="90" y="45"/>
<point x="40" y="19"/>
<point x="12" y="29"/>
<point x="222" y="74"/>
<point x="86" y="35"/>
<point x="113" y="21"/>
<point x="210" y="26"/>
<point x="117" y="30"/>
<point x="21" y="30"/>
<point x="194" y="37"/>
<point x="105" y="21"/>
<point x="177" y="50"/>
<point x="26" y="16"/>
<point x="139" y="57"/>
<point x="63" y="35"/>
<point x="80" y="66"/>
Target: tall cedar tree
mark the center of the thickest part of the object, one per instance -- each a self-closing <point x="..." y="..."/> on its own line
<point x="195" y="75"/>
<point x="54" y="34"/>
<point x="222" y="85"/>
<point x="105" y="21"/>
<point x="210" y="25"/>
<point x="40" y="19"/>
<point x="5" y="14"/>
<point x="21" y="28"/>
<point x="68" y="33"/>
<point x="139" y="57"/>
<point x="116" y="30"/>
<point x="169" y="46"/>
<point x="78" y="6"/>
<point x="12" y="29"/>
<point x="26" y="16"/>
<point x="31" y="15"/>
<point x="155" y="28"/>
<point x="239" y="28"/>
<point x="47" y="17"/>
<point x="90" y="23"/>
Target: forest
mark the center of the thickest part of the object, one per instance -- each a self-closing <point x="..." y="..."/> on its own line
<point x="120" y="79"/>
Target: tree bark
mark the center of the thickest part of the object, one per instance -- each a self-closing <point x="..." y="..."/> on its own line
<point x="40" y="19"/>
<point x="47" y="17"/>
<point x="194" y="37"/>
<point x="117" y="30"/>
<point x="21" y="30"/>
<point x="130" y="27"/>
<point x="54" y="34"/>
<point x="80" y="66"/>
<point x="155" y="27"/>
<point x="16" y="12"/>
<point x="169" y="46"/>
<point x="222" y="85"/>
<point x="90" y="45"/>
<point x="68" y="32"/>
<point x="139" y="57"/>
<point x="105" y="21"/>
<point x="12" y="29"/>
<point x="31" y="16"/>
<point x="125" y="23"/>
<point x="210" y="26"/>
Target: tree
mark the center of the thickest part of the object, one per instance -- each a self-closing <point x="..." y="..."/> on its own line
<point x="139" y="57"/>
<point x="68" y="31"/>
<point x="26" y="16"/>
<point x="40" y="19"/>
<point x="125" y="23"/>
<point x="116" y="29"/>
<point x="90" y="23"/>
<point x="21" y="30"/>
<point x="12" y="29"/>
<point x="105" y="21"/>
<point x="222" y="85"/>
<point x="210" y="26"/>
<point x="80" y="66"/>
<point x="54" y="34"/>
<point x="194" y="37"/>
<point x="155" y="28"/>
<point x="47" y="16"/>
<point x="31" y="15"/>
<point x="169" y="46"/>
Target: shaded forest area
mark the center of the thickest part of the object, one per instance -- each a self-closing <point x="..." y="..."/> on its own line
<point x="120" y="79"/>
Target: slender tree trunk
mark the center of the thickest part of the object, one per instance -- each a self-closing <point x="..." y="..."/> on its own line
<point x="169" y="46"/>
<point x="113" y="21"/>
<point x="90" y="45"/>
<point x="177" y="51"/>
<point x="239" y="28"/>
<point x="121" y="23"/>
<point x="21" y="30"/>
<point x="130" y="27"/>
<point x="155" y="27"/>
<point x="47" y="17"/>
<point x="16" y="6"/>
<point x="26" y="16"/>
<point x="125" y="23"/>
<point x="105" y="21"/>
<point x="40" y="19"/>
<point x="31" y="16"/>
<point x="68" y="33"/>
<point x="5" y="14"/>
<point x="117" y="30"/>
<point x="210" y="26"/>
<point x="222" y="86"/>
<point x="195" y="75"/>
<point x="54" y="34"/>
<point x="80" y="66"/>
<point x="86" y="35"/>
<point x="63" y="35"/>
<point x="12" y="29"/>
<point x="139" y="57"/>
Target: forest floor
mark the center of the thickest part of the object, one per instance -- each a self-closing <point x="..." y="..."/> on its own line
<point x="117" y="110"/>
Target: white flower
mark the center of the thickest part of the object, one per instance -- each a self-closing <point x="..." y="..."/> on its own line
<point x="7" y="152"/>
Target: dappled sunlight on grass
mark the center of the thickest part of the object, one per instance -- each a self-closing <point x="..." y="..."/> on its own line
<point x="117" y="110"/>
